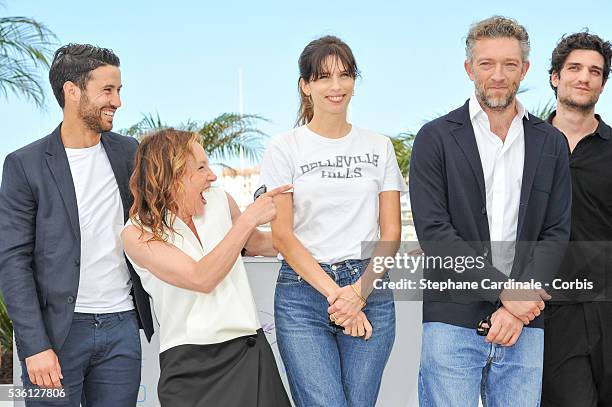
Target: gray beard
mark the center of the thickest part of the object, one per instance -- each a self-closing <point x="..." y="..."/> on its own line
<point x="495" y="104"/>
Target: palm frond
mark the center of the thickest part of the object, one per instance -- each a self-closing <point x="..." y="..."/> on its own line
<point x="26" y="45"/>
<point x="147" y="124"/>
<point x="19" y="77"/>
<point x="6" y="327"/>
<point x="543" y="111"/>
<point x="223" y="137"/>
<point x="229" y="134"/>
<point x="27" y="37"/>
<point x="402" y="144"/>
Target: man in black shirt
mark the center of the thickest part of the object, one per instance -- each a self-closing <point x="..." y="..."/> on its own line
<point x="578" y="323"/>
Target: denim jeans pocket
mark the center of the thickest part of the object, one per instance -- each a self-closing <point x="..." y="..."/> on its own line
<point x="286" y="276"/>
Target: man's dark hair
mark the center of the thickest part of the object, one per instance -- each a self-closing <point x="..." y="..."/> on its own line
<point x="583" y="41"/>
<point x="74" y="62"/>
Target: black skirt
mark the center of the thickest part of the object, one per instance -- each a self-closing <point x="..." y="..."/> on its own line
<point x="241" y="372"/>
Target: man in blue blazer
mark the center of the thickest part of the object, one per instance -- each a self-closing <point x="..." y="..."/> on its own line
<point x="490" y="180"/>
<point x="75" y="303"/>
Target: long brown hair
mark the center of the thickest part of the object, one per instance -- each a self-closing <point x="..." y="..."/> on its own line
<point x="160" y="163"/>
<point x="312" y="66"/>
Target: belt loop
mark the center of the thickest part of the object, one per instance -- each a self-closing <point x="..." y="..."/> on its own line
<point x="121" y="316"/>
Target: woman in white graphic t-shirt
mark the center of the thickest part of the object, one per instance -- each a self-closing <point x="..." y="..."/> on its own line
<point x="334" y="331"/>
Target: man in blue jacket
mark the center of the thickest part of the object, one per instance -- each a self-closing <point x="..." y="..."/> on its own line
<point x="490" y="180"/>
<point x="75" y="303"/>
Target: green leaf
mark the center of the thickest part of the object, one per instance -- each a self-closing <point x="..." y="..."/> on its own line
<point x="26" y="46"/>
<point x="223" y="137"/>
<point x="402" y="144"/>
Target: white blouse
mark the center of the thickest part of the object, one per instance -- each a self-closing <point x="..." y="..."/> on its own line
<point x="190" y="317"/>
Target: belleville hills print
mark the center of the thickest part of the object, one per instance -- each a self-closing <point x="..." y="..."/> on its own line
<point x="347" y="165"/>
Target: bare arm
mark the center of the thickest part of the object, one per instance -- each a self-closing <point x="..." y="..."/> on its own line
<point x="173" y="266"/>
<point x="390" y="221"/>
<point x="259" y="243"/>
<point x="294" y="252"/>
<point x="390" y="234"/>
<point x="300" y="260"/>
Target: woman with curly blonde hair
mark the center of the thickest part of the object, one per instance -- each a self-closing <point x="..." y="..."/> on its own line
<point x="184" y="239"/>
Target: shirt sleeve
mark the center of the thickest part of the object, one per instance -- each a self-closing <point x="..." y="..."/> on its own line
<point x="393" y="179"/>
<point x="276" y="166"/>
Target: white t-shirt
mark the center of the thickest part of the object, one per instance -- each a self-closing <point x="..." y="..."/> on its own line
<point x="104" y="282"/>
<point x="336" y="183"/>
<point x="190" y="317"/>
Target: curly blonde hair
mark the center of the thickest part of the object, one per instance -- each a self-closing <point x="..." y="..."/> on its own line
<point x="160" y="163"/>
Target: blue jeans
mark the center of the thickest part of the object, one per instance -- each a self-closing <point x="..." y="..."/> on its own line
<point x="326" y="367"/>
<point x="457" y="366"/>
<point x="100" y="361"/>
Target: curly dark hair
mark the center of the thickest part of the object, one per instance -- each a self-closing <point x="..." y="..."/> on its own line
<point x="74" y="63"/>
<point x="581" y="40"/>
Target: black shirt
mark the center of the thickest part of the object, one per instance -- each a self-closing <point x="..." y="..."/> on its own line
<point x="589" y="254"/>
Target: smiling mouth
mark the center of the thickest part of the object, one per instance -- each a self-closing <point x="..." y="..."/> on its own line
<point x="108" y="113"/>
<point x="336" y="99"/>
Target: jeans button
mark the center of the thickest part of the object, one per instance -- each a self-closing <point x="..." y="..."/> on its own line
<point x="334" y="267"/>
<point x="77" y="262"/>
<point x="70" y="299"/>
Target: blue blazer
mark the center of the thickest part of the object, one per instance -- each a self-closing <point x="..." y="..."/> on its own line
<point x="40" y="242"/>
<point x="448" y="199"/>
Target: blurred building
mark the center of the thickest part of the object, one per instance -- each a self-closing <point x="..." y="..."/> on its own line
<point x="240" y="183"/>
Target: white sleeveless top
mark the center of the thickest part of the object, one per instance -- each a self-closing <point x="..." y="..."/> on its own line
<point x="190" y="317"/>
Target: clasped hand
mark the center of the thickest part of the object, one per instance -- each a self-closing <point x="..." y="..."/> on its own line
<point x="345" y="310"/>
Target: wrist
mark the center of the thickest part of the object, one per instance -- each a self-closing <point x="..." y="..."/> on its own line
<point x="330" y="288"/>
<point x="358" y="294"/>
<point x="246" y="221"/>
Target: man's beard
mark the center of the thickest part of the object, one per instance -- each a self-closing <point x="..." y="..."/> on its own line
<point x="92" y="116"/>
<point x="496" y="103"/>
<point x="572" y="104"/>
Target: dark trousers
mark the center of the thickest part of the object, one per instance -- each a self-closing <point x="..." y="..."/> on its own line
<point x="100" y="362"/>
<point x="578" y="355"/>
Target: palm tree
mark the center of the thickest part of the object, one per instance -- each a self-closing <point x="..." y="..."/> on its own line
<point x="223" y="137"/>
<point x="543" y="111"/>
<point x="6" y="345"/>
<point x="25" y="46"/>
<point x="402" y="144"/>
